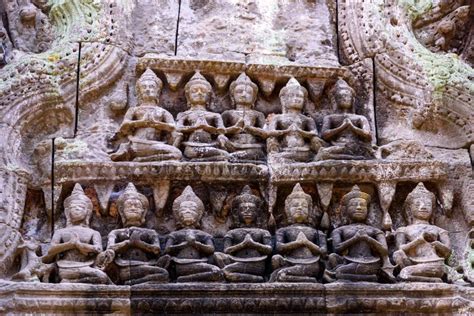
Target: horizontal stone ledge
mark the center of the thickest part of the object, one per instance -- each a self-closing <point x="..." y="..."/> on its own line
<point x="117" y="171"/>
<point x="361" y="170"/>
<point x="330" y="170"/>
<point x="185" y="65"/>
<point x="272" y="298"/>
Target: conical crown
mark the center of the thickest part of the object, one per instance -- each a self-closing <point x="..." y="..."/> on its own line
<point x="78" y="195"/>
<point x="293" y="84"/>
<point x="298" y="193"/>
<point x="197" y="78"/>
<point x="341" y="84"/>
<point x="420" y="192"/>
<point x="246" y="196"/>
<point x="355" y="193"/>
<point x="188" y="195"/>
<point x="131" y="192"/>
<point x="243" y="79"/>
<point x="149" y="75"/>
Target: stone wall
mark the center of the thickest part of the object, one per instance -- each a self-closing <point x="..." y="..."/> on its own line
<point x="216" y="156"/>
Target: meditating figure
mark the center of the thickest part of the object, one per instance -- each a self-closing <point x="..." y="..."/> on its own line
<point x="422" y="247"/>
<point x="348" y="134"/>
<point x="74" y="249"/>
<point x="361" y="252"/>
<point x="136" y="250"/>
<point x="246" y="247"/>
<point x="203" y="131"/>
<point x="244" y="125"/>
<point x="292" y="136"/>
<point x="191" y="249"/>
<point x="299" y="245"/>
<point x="149" y="129"/>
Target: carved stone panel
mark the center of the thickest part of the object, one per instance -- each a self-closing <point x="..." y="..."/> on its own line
<point x="215" y="156"/>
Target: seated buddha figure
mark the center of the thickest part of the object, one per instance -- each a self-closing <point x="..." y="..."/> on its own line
<point x="135" y="250"/>
<point x="246" y="247"/>
<point x="361" y="252"/>
<point x="203" y="131"/>
<point x="74" y="249"/>
<point x="150" y="129"/>
<point x="348" y="134"/>
<point x="244" y="124"/>
<point x="292" y="136"/>
<point x="422" y="248"/>
<point x="299" y="245"/>
<point x="191" y="249"/>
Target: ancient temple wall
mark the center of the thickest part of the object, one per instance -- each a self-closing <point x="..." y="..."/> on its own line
<point x="291" y="110"/>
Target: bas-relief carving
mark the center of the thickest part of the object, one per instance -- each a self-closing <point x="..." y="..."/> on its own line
<point x="135" y="250"/>
<point x="30" y="27"/>
<point x="202" y="130"/>
<point x="444" y="26"/>
<point x="361" y="251"/>
<point x="227" y="135"/>
<point x="293" y="136"/>
<point x="74" y="249"/>
<point x="349" y="134"/>
<point x="245" y="140"/>
<point x="422" y="248"/>
<point x="150" y="129"/>
<point x="190" y="248"/>
<point x="419" y="92"/>
<point x="247" y="247"/>
<point x="300" y="247"/>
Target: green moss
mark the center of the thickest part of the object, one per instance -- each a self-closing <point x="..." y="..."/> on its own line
<point x="416" y="8"/>
<point x="442" y="69"/>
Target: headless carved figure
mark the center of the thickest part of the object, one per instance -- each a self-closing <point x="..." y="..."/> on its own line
<point x="149" y="128"/>
<point x="32" y="268"/>
<point x="190" y="248"/>
<point x="292" y="136"/>
<point x="299" y="246"/>
<point x="246" y="248"/>
<point x="348" y="134"/>
<point x="422" y="247"/>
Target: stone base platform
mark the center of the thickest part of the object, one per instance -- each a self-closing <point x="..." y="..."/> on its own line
<point x="214" y="298"/>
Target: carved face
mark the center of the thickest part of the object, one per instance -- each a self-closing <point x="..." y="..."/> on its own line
<point x="244" y="94"/>
<point x="148" y="90"/>
<point x="77" y="212"/>
<point x="293" y="99"/>
<point x="344" y="99"/>
<point x="188" y="214"/>
<point x="298" y="210"/>
<point x="28" y="14"/>
<point x="357" y="209"/>
<point x="198" y="94"/>
<point x="446" y="27"/>
<point x="133" y="212"/>
<point x="247" y="213"/>
<point x="422" y="208"/>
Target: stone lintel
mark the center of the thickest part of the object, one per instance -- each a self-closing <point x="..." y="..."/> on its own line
<point x="243" y="298"/>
